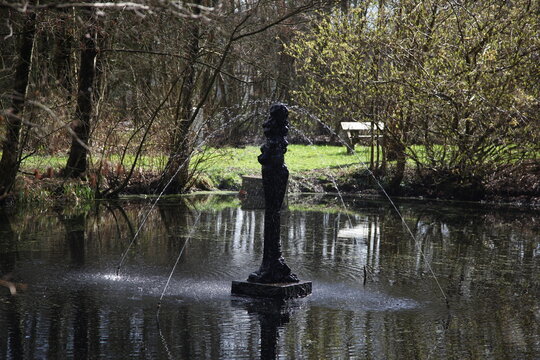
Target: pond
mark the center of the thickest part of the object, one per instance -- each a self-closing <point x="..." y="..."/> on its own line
<point x="374" y="292"/>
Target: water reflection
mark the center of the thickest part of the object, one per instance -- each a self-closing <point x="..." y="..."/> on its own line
<point x="272" y="315"/>
<point x="75" y="229"/>
<point x="374" y="296"/>
<point x="8" y="255"/>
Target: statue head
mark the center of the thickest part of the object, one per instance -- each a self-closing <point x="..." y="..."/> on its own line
<point x="277" y="124"/>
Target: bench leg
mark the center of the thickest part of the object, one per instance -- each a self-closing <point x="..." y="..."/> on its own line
<point x="350" y="144"/>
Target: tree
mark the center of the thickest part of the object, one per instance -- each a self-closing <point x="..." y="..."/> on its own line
<point x="77" y="160"/>
<point x="453" y="78"/>
<point x="11" y="149"/>
<point x="246" y="23"/>
<point x="166" y="63"/>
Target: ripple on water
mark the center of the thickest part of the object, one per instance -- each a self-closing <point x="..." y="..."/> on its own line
<point x="338" y="295"/>
<point x="345" y="297"/>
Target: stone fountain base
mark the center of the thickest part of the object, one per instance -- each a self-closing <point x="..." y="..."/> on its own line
<point x="276" y="291"/>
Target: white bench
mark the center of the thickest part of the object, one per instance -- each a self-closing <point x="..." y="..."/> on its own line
<point x="356" y="130"/>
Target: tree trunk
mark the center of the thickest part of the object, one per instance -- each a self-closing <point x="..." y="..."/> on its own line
<point x="285" y="64"/>
<point x="177" y="169"/>
<point x="9" y="164"/>
<point x="77" y="161"/>
<point x="397" y="149"/>
<point x="397" y="178"/>
<point x="62" y="58"/>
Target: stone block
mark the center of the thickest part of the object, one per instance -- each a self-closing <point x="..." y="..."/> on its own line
<point x="252" y="194"/>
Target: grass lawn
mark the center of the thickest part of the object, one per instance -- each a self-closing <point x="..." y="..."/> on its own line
<point x="238" y="161"/>
<point x="226" y="166"/>
<point x="298" y="158"/>
<point x="42" y="162"/>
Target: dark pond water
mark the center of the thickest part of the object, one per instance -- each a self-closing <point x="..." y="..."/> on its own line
<point x="373" y="298"/>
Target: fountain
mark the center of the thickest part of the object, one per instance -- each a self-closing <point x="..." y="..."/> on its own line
<point x="274" y="277"/>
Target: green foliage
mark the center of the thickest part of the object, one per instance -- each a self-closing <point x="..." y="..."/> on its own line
<point x="460" y="79"/>
<point x="27" y="194"/>
<point x="77" y="191"/>
<point x="48" y="192"/>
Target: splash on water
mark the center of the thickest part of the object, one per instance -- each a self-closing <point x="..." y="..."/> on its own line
<point x="112" y="277"/>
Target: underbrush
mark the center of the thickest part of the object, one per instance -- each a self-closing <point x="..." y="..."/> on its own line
<point x="51" y="191"/>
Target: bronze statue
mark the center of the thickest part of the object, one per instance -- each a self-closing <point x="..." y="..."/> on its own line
<point x="275" y="176"/>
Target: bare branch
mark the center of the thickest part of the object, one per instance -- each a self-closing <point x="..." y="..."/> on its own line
<point x="24" y="7"/>
<point x="160" y="53"/>
<point x="289" y="15"/>
<point x="10" y="30"/>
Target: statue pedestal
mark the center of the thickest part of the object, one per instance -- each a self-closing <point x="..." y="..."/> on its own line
<point x="276" y="291"/>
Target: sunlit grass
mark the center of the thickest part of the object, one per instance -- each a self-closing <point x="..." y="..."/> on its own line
<point x="298" y="158"/>
<point x="42" y="162"/>
<point x="226" y="166"/>
<point x="226" y="162"/>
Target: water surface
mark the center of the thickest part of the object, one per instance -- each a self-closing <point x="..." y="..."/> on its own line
<point x="374" y="294"/>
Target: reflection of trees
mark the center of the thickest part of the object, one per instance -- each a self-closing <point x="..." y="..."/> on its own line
<point x="344" y="243"/>
<point x="224" y="238"/>
<point x="75" y="225"/>
<point x="85" y="326"/>
<point x="8" y="255"/>
<point x="193" y="332"/>
<point x="175" y="218"/>
<point x="272" y="314"/>
<point x="54" y="340"/>
<point x="12" y="326"/>
<point x="468" y="248"/>
<point x="11" y="322"/>
<point x="112" y="207"/>
<point x="473" y="251"/>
